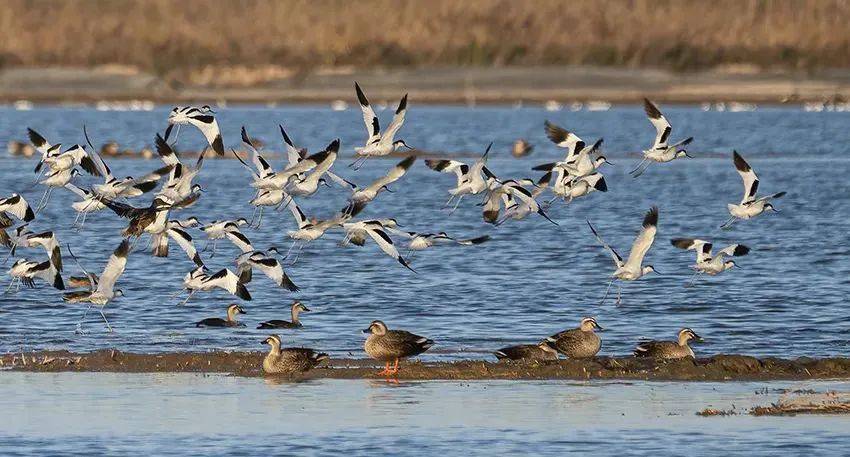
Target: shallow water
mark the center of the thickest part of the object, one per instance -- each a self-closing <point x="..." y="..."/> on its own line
<point x="531" y="280"/>
<point x="178" y="414"/>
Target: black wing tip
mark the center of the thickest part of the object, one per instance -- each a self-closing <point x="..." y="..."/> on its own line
<point x="286" y="138"/>
<point x="146" y="187"/>
<point x="481" y="239"/>
<point x="650" y="109"/>
<point x="651" y="218"/>
<point x="544" y="167"/>
<point x="287" y="284"/>
<point x="333" y="146"/>
<point x="779" y="194"/>
<point x="436" y="164"/>
<point x="739" y="162"/>
<point x="741" y="250"/>
<point x="555" y="133"/>
<point x="361" y="97"/>
<point x="402" y="105"/>
<point x="601" y="185"/>
<point x="218" y="145"/>
<point x="57" y="281"/>
<point x="123" y="249"/>
<point x="242" y="292"/>
<point x="407" y="162"/>
<point x="405" y="264"/>
<point x="245" y="138"/>
<point x="29" y="215"/>
<point x="681" y="243"/>
<point x="35" y="138"/>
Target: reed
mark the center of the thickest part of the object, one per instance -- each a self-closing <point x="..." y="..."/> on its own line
<point x="191" y="36"/>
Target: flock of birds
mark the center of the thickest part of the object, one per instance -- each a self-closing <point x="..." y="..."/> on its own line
<point x="173" y="189"/>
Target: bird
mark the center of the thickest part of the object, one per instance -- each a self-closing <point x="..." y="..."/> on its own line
<point x="174" y="229"/>
<point x="198" y="280"/>
<point x="386" y="345"/>
<point x="152" y="219"/>
<point x="375" y="230"/>
<point x="46" y="240"/>
<point x="669" y="350"/>
<point x="54" y="179"/>
<point x="43" y="147"/>
<point x="578" y="343"/>
<point x="580" y="163"/>
<point x="102" y="289"/>
<point x="564" y="139"/>
<point x="231" y="321"/>
<point x="113" y="187"/>
<point x="179" y="184"/>
<point x="539" y="352"/>
<point x="309" y="184"/>
<point x="295" y="310"/>
<point x="371" y="191"/>
<point x="270" y="266"/>
<point x="312" y="230"/>
<point x="751" y="205"/>
<point x="217" y="230"/>
<point x="204" y="119"/>
<point x="17" y="206"/>
<point x="632" y="268"/>
<point x="24" y="271"/>
<point x="661" y="151"/>
<point x="421" y="241"/>
<point x="90" y="203"/>
<point x="570" y="189"/>
<point x="289" y="360"/>
<point x="523" y="202"/>
<point x="471" y="180"/>
<point x="706" y="262"/>
<point x="379" y="143"/>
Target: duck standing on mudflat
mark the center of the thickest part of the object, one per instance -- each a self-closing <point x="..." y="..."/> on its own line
<point x="578" y="343"/>
<point x="231" y="321"/>
<point x="391" y="345"/>
<point x="669" y="350"/>
<point x="297" y="307"/>
<point x="540" y="351"/>
<point x="289" y="360"/>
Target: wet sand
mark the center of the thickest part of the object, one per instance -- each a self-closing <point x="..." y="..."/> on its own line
<point x="715" y="368"/>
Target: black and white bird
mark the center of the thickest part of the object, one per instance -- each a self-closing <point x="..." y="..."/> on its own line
<point x="25" y="271"/>
<point x="375" y="230"/>
<point x="471" y="180"/>
<point x="661" y="151"/>
<point x="564" y="138"/>
<point x="751" y="205"/>
<point x="524" y="202"/>
<point x="708" y="263"/>
<point x="421" y="241"/>
<point x="309" y="183"/>
<point x="174" y="229"/>
<point x="46" y="240"/>
<point x="267" y="264"/>
<point x="43" y="147"/>
<point x="17" y="206"/>
<point x="379" y="143"/>
<point x="102" y="288"/>
<point x="204" y="119"/>
<point x="179" y="183"/>
<point x="368" y="193"/>
<point x="312" y="230"/>
<point x="218" y="230"/>
<point x="198" y="280"/>
<point x="632" y="268"/>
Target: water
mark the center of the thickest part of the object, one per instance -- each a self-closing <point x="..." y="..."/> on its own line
<point x="531" y="280"/>
<point x="179" y="414"/>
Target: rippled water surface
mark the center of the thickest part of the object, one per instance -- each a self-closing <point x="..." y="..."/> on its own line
<point x="531" y="280"/>
<point x="188" y="414"/>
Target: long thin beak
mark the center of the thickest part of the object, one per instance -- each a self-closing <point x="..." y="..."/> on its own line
<point x="775" y="210"/>
<point x="657" y="272"/>
<point x="688" y="155"/>
<point x="408" y="147"/>
<point x="609" y="163"/>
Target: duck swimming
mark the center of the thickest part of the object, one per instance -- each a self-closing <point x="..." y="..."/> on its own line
<point x="297" y="307"/>
<point x="231" y="321"/>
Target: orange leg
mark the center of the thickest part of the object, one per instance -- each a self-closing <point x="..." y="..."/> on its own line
<point x="395" y="368"/>
<point x="386" y="370"/>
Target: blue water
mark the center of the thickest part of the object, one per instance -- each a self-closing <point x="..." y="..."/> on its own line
<point x="531" y="280"/>
<point x="191" y="414"/>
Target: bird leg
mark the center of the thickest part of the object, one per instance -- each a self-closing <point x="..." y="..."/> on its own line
<point x="298" y="253"/>
<point x="108" y="327"/>
<point x="259" y="218"/>
<point x="395" y="367"/>
<point x="619" y="291"/>
<point x="11" y="284"/>
<point x="608" y="289"/>
<point x="693" y="278"/>
<point x="456" y="205"/>
<point x="448" y="202"/>
<point x="362" y="160"/>
<point x="638" y="165"/>
<point x="386" y="370"/>
<point x="729" y="222"/>
<point x="192" y="292"/>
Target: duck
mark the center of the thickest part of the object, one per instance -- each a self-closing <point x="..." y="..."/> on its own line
<point x="540" y="351"/>
<point x="232" y="311"/>
<point x="669" y="350"/>
<point x="578" y="343"/>
<point x="289" y="360"/>
<point x="391" y="345"/>
<point x="297" y="307"/>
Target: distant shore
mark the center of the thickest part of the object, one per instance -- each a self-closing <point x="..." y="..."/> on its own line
<point x="715" y="368"/>
<point x="550" y="85"/>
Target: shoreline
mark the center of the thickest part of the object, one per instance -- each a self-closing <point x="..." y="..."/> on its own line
<point x="435" y="85"/>
<point x="720" y="367"/>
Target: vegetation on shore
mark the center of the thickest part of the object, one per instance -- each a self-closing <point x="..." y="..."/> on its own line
<point x="266" y="39"/>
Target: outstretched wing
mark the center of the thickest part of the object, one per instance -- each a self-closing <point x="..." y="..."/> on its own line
<point x="184" y="240"/>
<point x="373" y="127"/>
<point x="644" y="239"/>
<point x="395" y="124"/>
<point x="748" y="175"/>
<point x="386" y="244"/>
<point x="662" y="127"/>
<point x="618" y="261"/>
<point x="114" y="268"/>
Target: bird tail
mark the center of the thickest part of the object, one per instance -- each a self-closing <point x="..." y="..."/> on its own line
<point x="500" y="355"/>
<point x="265" y="325"/>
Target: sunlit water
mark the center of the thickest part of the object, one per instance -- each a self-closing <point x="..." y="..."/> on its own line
<point x="531" y="280"/>
<point x="189" y="414"/>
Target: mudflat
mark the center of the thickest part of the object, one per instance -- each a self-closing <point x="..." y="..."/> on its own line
<point x="723" y="367"/>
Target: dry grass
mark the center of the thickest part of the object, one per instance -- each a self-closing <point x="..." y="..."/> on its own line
<point x="181" y="38"/>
